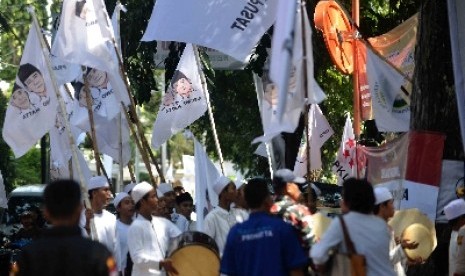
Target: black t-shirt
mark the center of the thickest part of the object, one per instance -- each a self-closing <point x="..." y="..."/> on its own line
<point x="63" y="251"/>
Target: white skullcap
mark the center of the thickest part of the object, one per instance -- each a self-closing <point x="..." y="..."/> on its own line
<point x="164" y="188"/>
<point x="119" y="197"/>
<point x="220" y="184"/>
<point x="382" y="194"/>
<point x="286" y="175"/>
<point x="97" y="182"/>
<point x="239" y="184"/>
<point x="159" y="194"/>
<point x="454" y="209"/>
<point x="128" y="188"/>
<point x="140" y="190"/>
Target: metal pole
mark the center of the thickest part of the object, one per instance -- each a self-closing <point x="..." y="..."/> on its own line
<point x="356" y="95"/>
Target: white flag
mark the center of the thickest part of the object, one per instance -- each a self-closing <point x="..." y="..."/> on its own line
<point x="270" y="92"/>
<point x="286" y="35"/>
<point x="61" y="171"/>
<point x="231" y="27"/>
<point x="33" y="102"/>
<point x="115" y="18"/>
<point x="205" y="176"/>
<point x="107" y="132"/>
<point x="345" y="165"/>
<point x="391" y="112"/>
<point x="82" y="38"/>
<point x="320" y="131"/>
<point x="60" y="150"/>
<point x="184" y="101"/>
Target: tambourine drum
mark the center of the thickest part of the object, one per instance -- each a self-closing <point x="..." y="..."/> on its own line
<point x="195" y="253"/>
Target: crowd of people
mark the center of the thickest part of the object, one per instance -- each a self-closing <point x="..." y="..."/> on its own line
<point x="258" y="228"/>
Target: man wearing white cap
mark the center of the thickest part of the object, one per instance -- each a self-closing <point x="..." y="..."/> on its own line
<point x="220" y="220"/>
<point x="104" y="221"/>
<point x="455" y="213"/>
<point x="166" y="191"/>
<point x="287" y="207"/>
<point x="239" y="204"/>
<point x="128" y="188"/>
<point x="384" y="208"/>
<point x="125" y="209"/>
<point x="148" y="237"/>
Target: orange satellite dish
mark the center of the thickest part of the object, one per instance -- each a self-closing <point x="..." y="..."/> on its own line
<point x="337" y="30"/>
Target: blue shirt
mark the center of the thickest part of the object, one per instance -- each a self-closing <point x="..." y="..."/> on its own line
<point x="262" y="245"/>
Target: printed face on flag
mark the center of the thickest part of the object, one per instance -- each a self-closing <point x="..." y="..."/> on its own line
<point x="97" y="78"/>
<point x="33" y="96"/>
<point x="184" y="101"/>
<point x="32" y="79"/>
<point x="20" y="98"/>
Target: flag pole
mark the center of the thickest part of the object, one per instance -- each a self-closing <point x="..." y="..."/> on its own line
<point x="209" y="108"/>
<point x="356" y="94"/>
<point x="131" y="172"/>
<point x="132" y="106"/>
<point x="90" y="113"/>
<point x="139" y="146"/>
<point x="307" y="108"/>
<point x="46" y="53"/>
<point x="120" y="138"/>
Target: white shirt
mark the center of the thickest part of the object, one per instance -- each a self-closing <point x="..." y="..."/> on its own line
<point x="121" y="245"/>
<point x="241" y="214"/>
<point x="183" y="224"/>
<point x="397" y="256"/>
<point x="452" y="252"/>
<point x="370" y="237"/>
<point x="148" y="243"/>
<point x="105" y="226"/>
<point x="218" y="223"/>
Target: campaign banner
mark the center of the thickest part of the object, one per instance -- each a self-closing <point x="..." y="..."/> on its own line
<point x="397" y="46"/>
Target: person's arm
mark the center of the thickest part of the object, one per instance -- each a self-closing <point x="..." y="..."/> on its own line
<point x="333" y="236"/>
<point x="137" y="249"/>
<point x="397" y="254"/>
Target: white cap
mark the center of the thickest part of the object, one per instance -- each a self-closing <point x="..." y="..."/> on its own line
<point x="287" y="175"/>
<point x="97" y="182"/>
<point x="220" y="184"/>
<point x="119" y="197"/>
<point x="140" y="190"/>
<point x="239" y="184"/>
<point x="382" y="194"/>
<point x="164" y="188"/>
<point x="454" y="209"/>
<point x="128" y="188"/>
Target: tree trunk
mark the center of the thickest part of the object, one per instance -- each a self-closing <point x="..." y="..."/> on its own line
<point x="434" y="106"/>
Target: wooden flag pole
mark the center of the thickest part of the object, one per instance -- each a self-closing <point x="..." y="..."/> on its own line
<point x="90" y="112"/>
<point x="131" y="172"/>
<point x="139" y="146"/>
<point x="209" y="108"/>
<point x="46" y="53"/>
<point x="132" y="106"/>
